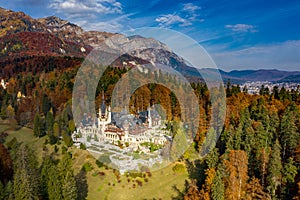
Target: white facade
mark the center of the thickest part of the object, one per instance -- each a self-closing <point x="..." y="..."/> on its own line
<point x="106" y="131"/>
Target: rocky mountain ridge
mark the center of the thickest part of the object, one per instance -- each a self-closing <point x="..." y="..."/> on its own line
<point x="22" y="36"/>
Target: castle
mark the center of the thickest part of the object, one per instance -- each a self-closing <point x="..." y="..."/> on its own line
<point x="123" y="128"/>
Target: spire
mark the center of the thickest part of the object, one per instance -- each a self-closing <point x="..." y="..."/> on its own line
<point x="149" y="117"/>
<point x="103" y="106"/>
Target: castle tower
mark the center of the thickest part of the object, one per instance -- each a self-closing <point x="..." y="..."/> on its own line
<point x="104" y="115"/>
<point x="109" y="114"/>
<point x="149" y="118"/>
<point x="103" y="107"/>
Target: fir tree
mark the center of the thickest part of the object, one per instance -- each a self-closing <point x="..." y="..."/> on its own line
<point x="288" y="131"/>
<point x="274" y="170"/>
<point x="218" y="188"/>
<point x="26" y="177"/>
<point x="49" y="123"/>
<point x="38" y="128"/>
<point x="54" y="184"/>
<point x="2" y="191"/>
<point x="69" y="189"/>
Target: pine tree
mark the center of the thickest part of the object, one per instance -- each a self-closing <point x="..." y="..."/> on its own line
<point x="54" y="184"/>
<point x="49" y="123"/>
<point x="288" y="130"/>
<point x="45" y="176"/>
<point x="38" y="128"/>
<point x="274" y="170"/>
<point x="212" y="158"/>
<point x="26" y="177"/>
<point x="209" y="142"/>
<point x="218" y="188"/>
<point x="9" y="190"/>
<point x="2" y="191"/>
<point x="69" y="189"/>
<point x="179" y="144"/>
<point x="56" y="129"/>
<point x="288" y="178"/>
<point x="46" y="104"/>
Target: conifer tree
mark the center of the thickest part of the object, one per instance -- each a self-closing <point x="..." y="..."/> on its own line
<point x="49" y="123"/>
<point x="2" y="191"/>
<point x="54" y="184"/>
<point x="69" y="189"/>
<point x="288" y="178"/>
<point x="288" y="130"/>
<point x="45" y="176"/>
<point x="26" y="177"/>
<point x="274" y="170"/>
<point x="218" y="188"/>
<point x="38" y="128"/>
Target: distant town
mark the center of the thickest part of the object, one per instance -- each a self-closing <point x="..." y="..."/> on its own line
<point x="253" y="87"/>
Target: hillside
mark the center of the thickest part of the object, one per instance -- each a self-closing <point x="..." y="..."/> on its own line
<point x="51" y="38"/>
<point x="271" y="75"/>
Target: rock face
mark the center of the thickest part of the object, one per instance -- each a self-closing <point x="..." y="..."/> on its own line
<point x="21" y="35"/>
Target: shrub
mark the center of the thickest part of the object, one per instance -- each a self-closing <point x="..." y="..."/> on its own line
<point x="101" y="174"/>
<point x="64" y="150"/>
<point x="99" y="164"/>
<point x="87" y="167"/>
<point x="135" y="174"/>
<point x="67" y="139"/>
<point x="56" y="149"/>
<point x="52" y="139"/>
<point x="178" y="168"/>
<point x="140" y="183"/>
<point x="82" y="146"/>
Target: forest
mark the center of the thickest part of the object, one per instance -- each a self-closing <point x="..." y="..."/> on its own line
<point x="256" y="157"/>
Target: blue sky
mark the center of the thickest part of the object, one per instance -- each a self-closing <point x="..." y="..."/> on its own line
<point x="237" y="34"/>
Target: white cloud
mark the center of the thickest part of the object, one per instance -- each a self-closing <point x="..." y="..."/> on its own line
<point x="115" y="25"/>
<point x="112" y="27"/>
<point x="81" y="8"/>
<point x="242" y="28"/>
<point x="189" y="7"/>
<point x="172" y="19"/>
<point x="184" y="17"/>
<point x="285" y="56"/>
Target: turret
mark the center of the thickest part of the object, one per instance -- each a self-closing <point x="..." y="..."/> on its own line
<point x="149" y="118"/>
<point x="103" y="106"/>
<point x="109" y="115"/>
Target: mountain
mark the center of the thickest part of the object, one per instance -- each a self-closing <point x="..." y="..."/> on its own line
<point x="25" y="43"/>
<point x="23" y="39"/>
<point x="272" y="75"/>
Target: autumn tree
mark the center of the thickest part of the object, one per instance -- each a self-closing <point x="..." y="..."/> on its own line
<point x="6" y="165"/>
<point x="237" y="169"/>
<point x="255" y="191"/>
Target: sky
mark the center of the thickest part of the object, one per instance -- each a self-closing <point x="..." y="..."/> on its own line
<point x="248" y="34"/>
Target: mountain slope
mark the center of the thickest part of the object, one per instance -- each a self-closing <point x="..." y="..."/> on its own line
<point x="24" y="38"/>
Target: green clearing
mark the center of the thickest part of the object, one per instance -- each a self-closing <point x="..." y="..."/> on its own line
<point x="158" y="186"/>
